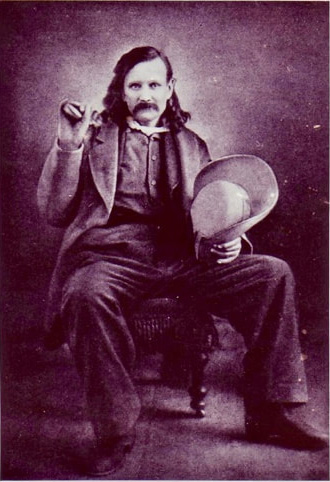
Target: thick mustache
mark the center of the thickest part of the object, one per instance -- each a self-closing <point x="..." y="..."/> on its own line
<point x="145" y="105"/>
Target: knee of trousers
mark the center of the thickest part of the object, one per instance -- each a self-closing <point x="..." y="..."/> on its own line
<point x="85" y="296"/>
<point x="92" y="313"/>
<point x="276" y="270"/>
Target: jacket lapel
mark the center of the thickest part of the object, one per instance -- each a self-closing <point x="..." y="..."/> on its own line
<point x="189" y="156"/>
<point x="182" y="157"/>
<point x="103" y="160"/>
<point x="172" y="163"/>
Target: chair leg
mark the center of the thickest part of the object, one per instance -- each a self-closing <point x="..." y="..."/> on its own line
<point x="198" y="391"/>
<point x="175" y="368"/>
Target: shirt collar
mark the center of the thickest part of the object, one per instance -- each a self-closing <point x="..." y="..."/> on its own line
<point x="148" y="131"/>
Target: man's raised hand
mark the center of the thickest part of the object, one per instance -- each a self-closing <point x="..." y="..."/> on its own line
<point x="74" y="120"/>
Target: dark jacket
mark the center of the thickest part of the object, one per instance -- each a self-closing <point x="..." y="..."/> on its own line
<point x="76" y="189"/>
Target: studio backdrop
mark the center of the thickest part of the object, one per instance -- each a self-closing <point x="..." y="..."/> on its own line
<point x="254" y="76"/>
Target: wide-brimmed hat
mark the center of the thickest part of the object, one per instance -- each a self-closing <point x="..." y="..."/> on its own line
<point x="231" y="195"/>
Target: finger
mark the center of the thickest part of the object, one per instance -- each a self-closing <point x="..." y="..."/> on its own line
<point x="224" y="255"/>
<point x="79" y="105"/>
<point x="63" y="102"/>
<point x="222" y="247"/>
<point x="86" y="117"/>
<point x="227" y="260"/>
<point x="227" y="255"/>
<point x="87" y="112"/>
<point x="228" y="244"/>
<point x="216" y="249"/>
<point x="228" y="250"/>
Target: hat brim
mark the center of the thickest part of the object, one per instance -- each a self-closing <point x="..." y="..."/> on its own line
<point x="258" y="180"/>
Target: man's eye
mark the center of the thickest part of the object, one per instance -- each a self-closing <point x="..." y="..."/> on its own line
<point x="154" y="85"/>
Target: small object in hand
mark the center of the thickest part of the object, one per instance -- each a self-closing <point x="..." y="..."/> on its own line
<point x="74" y="112"/>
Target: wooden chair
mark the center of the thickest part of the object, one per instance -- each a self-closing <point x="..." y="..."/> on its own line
<point x="175" y="327"/>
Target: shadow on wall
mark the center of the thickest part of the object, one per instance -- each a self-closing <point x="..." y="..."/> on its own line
<point x="253" y="75"/>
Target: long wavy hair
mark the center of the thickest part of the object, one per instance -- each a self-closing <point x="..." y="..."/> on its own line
<point x="116" y="109"/>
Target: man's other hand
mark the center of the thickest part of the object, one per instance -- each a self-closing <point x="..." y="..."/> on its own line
<point x="74" y="120"/>
<point x="227" y="252"/>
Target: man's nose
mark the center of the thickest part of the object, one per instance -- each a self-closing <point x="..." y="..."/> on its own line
<point x="145" y="94"/>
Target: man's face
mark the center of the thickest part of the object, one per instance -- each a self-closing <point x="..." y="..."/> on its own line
<point x="146" y="91"/>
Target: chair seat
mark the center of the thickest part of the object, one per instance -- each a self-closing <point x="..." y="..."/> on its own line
<point x="153" y="322"/>
<point x="160" y="322"/>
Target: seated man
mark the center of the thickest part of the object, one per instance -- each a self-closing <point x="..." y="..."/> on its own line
<point x="122" y="182"/>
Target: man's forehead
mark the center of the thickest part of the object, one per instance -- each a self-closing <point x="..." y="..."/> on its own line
<point x="149" y="68"/>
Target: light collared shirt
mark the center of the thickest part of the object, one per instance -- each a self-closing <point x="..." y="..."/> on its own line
<point x="141" y="183"/>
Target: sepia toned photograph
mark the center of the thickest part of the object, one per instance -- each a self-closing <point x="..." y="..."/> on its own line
<point x="164" y="240"/>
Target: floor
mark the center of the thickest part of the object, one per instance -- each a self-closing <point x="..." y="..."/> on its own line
<point x="44" y="424"/>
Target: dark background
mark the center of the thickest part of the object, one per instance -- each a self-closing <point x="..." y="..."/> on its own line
<point x="253" y="74"/>
<point x="255" y="77"/>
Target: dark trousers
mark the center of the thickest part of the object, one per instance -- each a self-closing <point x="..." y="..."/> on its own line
<point x="256" y="294"/>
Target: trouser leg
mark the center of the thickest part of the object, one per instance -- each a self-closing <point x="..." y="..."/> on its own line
<point x="102" y="346"/>
<point x="256" y="294"/>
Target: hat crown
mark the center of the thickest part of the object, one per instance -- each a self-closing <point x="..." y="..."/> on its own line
<point x="231" y="195"/>
<point x="224" y="203"/>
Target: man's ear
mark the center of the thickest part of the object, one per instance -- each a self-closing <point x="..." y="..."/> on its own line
<point x="171" y="86"/>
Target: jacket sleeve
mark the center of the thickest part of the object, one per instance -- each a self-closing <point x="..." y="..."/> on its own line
<point x="58" y="185"/>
